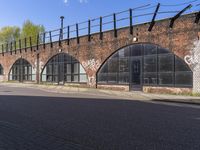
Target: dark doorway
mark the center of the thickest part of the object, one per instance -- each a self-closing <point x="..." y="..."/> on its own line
<point x="136" y="74"/>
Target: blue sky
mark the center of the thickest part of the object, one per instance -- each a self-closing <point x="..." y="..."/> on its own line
<point x="47" y="12"/>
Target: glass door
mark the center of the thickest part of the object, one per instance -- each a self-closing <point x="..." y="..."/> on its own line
<point x="136" y="74"/>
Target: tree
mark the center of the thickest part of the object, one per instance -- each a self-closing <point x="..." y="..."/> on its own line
<point x="9" y="34"/>
<point x="29" y="29"/>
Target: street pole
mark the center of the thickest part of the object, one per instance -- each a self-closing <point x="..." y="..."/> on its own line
<point x="61" y="34"/>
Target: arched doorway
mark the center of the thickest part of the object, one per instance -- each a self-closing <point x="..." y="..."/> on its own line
<point x="145" y="64"/>
<point x="63" y="68"/>
<point x="22" y="71"/>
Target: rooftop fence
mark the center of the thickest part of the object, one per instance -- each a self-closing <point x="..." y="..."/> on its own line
<point x="127" y="18"/>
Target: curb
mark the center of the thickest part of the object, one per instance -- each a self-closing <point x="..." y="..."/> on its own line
<point x="177" y="101"/>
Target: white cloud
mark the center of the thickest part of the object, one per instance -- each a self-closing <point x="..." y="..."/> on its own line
<point x="66" y="1"/>
<point x="80" y="1"/>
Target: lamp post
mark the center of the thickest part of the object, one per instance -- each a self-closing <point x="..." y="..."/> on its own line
<point x="61" y="27"/>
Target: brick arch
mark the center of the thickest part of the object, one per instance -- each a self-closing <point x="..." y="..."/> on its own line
<point x="7" y="60"/>
<point x="64" y="53"/>
<point x="43" y="67"/>
<point x="114" y="51"/>
<point x="15" y="60"/>
<point x="173" y="57"/>
<point x="46" y="55"/>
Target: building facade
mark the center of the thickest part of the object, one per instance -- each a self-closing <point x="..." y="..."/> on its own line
<point x="165" y="59"/>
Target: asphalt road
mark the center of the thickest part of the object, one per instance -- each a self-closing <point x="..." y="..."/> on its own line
<point x="48" y="121"/>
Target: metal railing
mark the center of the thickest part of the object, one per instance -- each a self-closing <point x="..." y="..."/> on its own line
<point x="127" y="18"/>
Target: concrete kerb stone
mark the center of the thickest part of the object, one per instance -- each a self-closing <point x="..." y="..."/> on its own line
<point x="115" y="94"/>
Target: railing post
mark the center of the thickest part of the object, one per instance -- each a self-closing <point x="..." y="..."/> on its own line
<point x="178" y="15"/>
<point x="154" y="17"/>
<point x="50" y="39"/>
<point x="30" y="40"/>
<point x="44" y="37"/>
<point x="11" y="48"/>
<point x="131" y="21"/>
<point x="68" y="34"/>
<point x="77" y="33"/>
<point x="2" y="49"/>
<point x="7" y="47"/>
<point x="25" y="45"/>
<point x="89" y="30"/>
<point x="20" y="45"/>
<point x="101" y="33"/>
<point x="115" y="25"/>
<point x="15" y="43"/>
<point x="38" y="36"/>
<point x="60" y="37"/>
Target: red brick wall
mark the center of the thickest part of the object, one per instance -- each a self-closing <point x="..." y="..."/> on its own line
<point x="180" y="39"/>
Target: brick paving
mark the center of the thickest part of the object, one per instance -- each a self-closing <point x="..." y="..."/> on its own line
<point x="43" y="120"/>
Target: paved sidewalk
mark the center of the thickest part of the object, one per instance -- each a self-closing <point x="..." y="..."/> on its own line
<point x="90" y="92"/>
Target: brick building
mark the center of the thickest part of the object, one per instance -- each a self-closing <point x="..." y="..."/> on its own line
<point x="164" y="59"/>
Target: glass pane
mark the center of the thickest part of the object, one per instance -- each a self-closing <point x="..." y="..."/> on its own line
<point x="49" y="78"/>
<point x="25" y="70"/>
<point x="163" y="50"/>
<point x="124" y="78"/>
<point x="150" y="79"/>
<point x="124" y="52"/>
<point x="69" y="70"/>
<point x="166" y="78"/>
<point x="55" y="78"/>
<point x="150" y="49"/>
<point x="75" y="78"/>
<point x="104" y="68"/>
<point x="112" y="77"/>
<point x="29" y="77"/>
<point x="67" y="58"/>
<point x="29" y="70"/>
<point x="102" y="77"/>
<point x="49" y="69"/>
<point x="82" y="70"/>
<point x="34" y="77"/>
<point x="69" y="78"/>
<point x="76" y="68"/>
<point x="150" y="64"/>
<point x="184" y="79"/>
<point x="136" y="50"/>
<point x="55" y="69"/>
<point x="124" y="65"/>
<point x="113" y="65"/>
<point x="181" y="65"/>
<point x="83" y="78"/>
<point x="166" y="63"/>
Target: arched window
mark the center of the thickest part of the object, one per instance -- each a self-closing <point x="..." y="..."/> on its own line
<point x="63" y="68"/>
<point x="145" y="64"/>
<point x="22" y="71"/>
<point x="1" y="70"/>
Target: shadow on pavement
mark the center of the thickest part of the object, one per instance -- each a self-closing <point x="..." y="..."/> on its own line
<point x="36" y="122"/>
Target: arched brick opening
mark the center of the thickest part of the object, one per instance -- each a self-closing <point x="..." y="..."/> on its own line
<point x="63" y="68"/>
<point x="22" y="70"/>
<point x="144" y="66"/>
